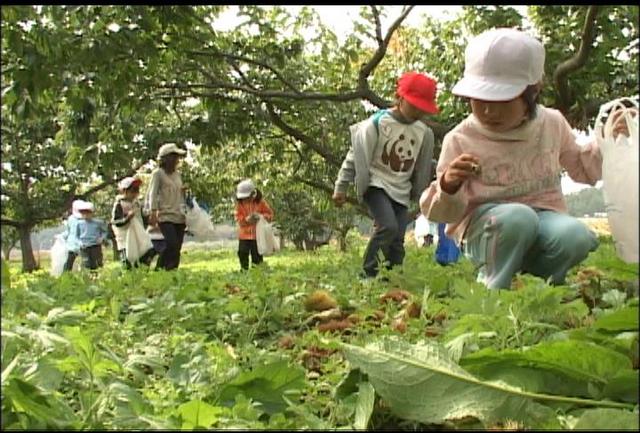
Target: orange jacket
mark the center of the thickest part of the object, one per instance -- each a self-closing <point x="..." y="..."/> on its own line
<point x="244" y="209"/>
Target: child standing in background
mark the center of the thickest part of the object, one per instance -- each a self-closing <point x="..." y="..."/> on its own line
<point x="91" y="233"/>
<point x="250" y="205"/>
<point x="390" y="163"/>
<point x="125" y="209"/>
<point x="70" y="235"/>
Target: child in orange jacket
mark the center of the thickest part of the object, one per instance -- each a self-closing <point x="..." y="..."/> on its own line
<point x="249" y="207"/>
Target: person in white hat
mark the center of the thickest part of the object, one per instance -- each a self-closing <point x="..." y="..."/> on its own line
<point x="498" y="176"/>
<point x="70" y="235"/>
<point x="125" y="209"/>
<point x="165" y="202"/>
<point x="91" y="233"/>
<point x="250" y="205"/>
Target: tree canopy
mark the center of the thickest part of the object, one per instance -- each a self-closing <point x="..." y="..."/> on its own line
<point x="90" y="92"/>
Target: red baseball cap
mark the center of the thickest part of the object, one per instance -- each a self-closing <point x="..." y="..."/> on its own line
<point x="419" y="90"/>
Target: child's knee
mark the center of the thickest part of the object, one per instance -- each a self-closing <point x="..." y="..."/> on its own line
<point x="577" y="239"/>
<point x="517" y="221"/>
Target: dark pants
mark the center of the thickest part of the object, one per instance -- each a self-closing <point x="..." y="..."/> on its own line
<point x="71" y="257"/>
<point x="390" y="223"/>
<point x="91" y="257"/>
<point x="173" y="237"/>
<point x="246" y="247"/>
<point x="145" y="259"/>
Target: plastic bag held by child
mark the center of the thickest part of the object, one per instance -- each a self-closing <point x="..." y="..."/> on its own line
<point x="198" y="220"/>
<point x="265" y="237"/>
<point x="58" y="255"/>
<point x="137" y="241"/>
<point x="620" y="174"/>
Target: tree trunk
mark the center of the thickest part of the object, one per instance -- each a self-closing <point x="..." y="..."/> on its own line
<point x="342" y="241"/>
<point x="28" y="260"/>
<point x="6" y="251"/>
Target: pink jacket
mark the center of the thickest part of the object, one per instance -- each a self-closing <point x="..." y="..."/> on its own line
<point x="522" y="165"/>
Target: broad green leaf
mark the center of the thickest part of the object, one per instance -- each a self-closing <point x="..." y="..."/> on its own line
<point x="27" y="398"/>
<point x="131" y="396"/>
<point x="608" y="419"/>
<point x="266" y="384"/>
<point x="623" y="387"/>
<point x="64" y="317"/>
<point x="364" y="405"/>
<point x="576" y="359"/>
<point x="9" y="368"/>
<point x="46" y="374"/>
<point x="349" y="384"/>
<point x="624" y="319"/>
<point x="197" y="413"/>
<point x="421" y="383"/>
<point x="600" y="337"/>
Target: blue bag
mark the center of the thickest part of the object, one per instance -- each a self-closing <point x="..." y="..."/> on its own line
<point x="447" y="251"/>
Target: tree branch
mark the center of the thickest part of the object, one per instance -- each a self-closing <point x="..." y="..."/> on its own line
<point x="10" y="222"/>
<point x="269" y="94"/>
<point x="377" y="57"/>
<point x="376" y="17"/>
<point x="300" y="136"/>
<point x="244" y="59"/>
<point x="565" y="99"/>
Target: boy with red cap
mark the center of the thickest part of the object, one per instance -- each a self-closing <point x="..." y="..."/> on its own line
<point x="390" y="163"/>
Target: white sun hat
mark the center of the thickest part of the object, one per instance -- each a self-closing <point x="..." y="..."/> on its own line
<point x="127" y="182"/>
<point x="85" y="205"/>
<point x="500" y="64"/>
<point x="245" y="189"/>
<point x="74" y="207"/>
<point x="169" y="148"/>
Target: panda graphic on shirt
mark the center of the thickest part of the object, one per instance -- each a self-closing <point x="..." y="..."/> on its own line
<point x="400" y="145"/>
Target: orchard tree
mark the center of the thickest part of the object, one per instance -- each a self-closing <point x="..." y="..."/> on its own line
<point x="69" y="129"/>
<point x="108" y="84"/>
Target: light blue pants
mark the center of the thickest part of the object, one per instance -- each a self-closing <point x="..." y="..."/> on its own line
<point x="506" y="238"/>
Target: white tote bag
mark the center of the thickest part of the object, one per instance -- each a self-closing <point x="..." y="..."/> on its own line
<point x="265" y="237"/>
<point x="620" y="176"/>
<point x="58" y="254"/>
<point x="137" y="241"/>
<point x="198" y="221"/>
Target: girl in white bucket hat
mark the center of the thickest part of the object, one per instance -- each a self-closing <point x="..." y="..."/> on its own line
<point x="498" y="176"/>
<point x="70" y="236"/>
<point x="250" y="206"/>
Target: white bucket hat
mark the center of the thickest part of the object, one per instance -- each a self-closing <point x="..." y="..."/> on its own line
<point x="75" y="207"/>
<point x="127" y="182"/>
<point x="245" y="189"/>
<point x="500" y="64"/>
<point x="85" y="205"/>
<point x="168" y="148"/>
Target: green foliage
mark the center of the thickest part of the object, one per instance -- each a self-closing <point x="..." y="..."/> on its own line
<point x="585" y="202"/>
<point x="201" y="347"/>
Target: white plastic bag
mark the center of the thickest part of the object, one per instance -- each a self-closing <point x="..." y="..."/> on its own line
<point x="198" y="221"/>
<point x="620" y="175"/>
<point x="58" y="254"/>
<point x="265" y="237"/>
<point x="137" y="241"/>
<point x="425" y="227"/>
